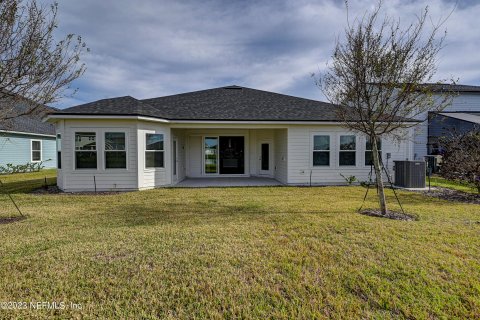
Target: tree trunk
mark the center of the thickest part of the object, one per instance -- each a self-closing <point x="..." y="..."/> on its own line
<point x="378" y="177"/>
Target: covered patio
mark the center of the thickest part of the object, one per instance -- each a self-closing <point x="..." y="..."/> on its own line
<point x="227" y="182"/>
<point x="239" y="156"/>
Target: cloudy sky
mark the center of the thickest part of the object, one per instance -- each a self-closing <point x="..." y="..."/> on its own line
<point x="151" y="48"/>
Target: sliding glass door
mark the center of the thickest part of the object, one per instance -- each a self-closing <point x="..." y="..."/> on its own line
<point x="232" y="153"/>
<point x="211" y="155"/>
<point x="224" y="155"/>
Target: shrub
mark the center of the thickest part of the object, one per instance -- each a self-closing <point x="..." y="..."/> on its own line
<point x="349" y="179"/>
<point x="22" y="168"/>
<point x="461" y="157"/>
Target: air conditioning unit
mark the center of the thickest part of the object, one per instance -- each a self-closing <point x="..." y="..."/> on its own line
<point x="410" y="174"/>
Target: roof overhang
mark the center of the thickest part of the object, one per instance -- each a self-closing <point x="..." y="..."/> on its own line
<point x="463" y="116"/>
<point x="28" y="133"/>
<point x="56" y="117"/>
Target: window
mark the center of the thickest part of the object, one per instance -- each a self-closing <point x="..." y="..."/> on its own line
<point x="347" y="153"/>
<point x="115" y="152"/>
<point x="59" y="151"/>
<point x="321" y="151"/>
<point x="211" y="154"/>
<point x="154" y="151"/>
<point x="85" y="150"/>
<point x="369" y="153"/>
<point x="36" y="150"/>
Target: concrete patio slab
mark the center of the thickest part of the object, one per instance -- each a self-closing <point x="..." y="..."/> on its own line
<point x="227" y="182"/>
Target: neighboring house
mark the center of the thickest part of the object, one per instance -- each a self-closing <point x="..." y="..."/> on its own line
<point x="129" y="144"/>
<point x="442" y="124"/>
<point x="465" y="101"/>
<point x="26" y="138"/>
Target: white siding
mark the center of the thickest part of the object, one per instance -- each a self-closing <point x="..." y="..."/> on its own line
<point x="463" y="102"/>
<point x="154" y="177"/>
<point x="300" y="141"/>
<point x="60" y="129"/>
<point x="194" y="156"/>
<point x="181" y="147"/>
<point x="281" y="155"/>
<point x="72" y="179"/>
<point x="291" y="154"/>
<point x="257" y="137"/>
<point x="195" y="149"/>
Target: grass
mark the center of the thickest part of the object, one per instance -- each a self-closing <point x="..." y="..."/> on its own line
<point x="437" y="181"/>
<point x="276" y="252"/>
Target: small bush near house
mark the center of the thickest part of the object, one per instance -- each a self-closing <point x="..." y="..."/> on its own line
<point x="349" y="179"/>
<point x="22" y="168"/>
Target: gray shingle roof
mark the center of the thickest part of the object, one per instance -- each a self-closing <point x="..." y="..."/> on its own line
<point x="27" y="123"/>
<point x="453" y="87"/>
<point x="113" y="106"/>
<point x="226" y="103"/>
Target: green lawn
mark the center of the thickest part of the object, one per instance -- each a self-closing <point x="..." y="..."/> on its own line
<point x="278" y="253"/>
<point x="437" y="181"/>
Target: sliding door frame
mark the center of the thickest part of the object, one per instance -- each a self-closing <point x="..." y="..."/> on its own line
<point x="246" y="155"/>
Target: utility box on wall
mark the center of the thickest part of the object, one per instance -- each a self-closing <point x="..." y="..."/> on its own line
<point x="410" y="174"/>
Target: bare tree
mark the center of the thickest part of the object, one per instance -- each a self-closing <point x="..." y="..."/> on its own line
<point x="461" y="157"/>
<point x="35" y="69"/>
<point x="378" y="74"/>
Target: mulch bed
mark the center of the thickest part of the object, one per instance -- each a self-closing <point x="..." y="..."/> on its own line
<point x="11" y="219"/>
<point x="56" y="190"/>
<point x="453" y="195"/>
<point x="395" y="215"/>
<point x="48" y="190"/>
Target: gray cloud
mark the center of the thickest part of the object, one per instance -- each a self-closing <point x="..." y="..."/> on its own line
<point x="152" y="48"/>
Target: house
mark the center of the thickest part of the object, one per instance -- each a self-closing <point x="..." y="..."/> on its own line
<point x="459" y="114"/>
<point x="129" y="144"/>
<point x="442" y="124"/>
<point x="26" y="138"/>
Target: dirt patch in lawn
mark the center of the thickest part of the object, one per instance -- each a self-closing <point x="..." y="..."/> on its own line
<point x="453" y="195"/>
<point x="6" y="220"/>
<point x="394" y="215"/>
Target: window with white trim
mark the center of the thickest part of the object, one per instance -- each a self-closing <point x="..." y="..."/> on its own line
<point x="115" y="150"/>
<point x="321" y="150"/>
<point x="36" y="147"/>
<point x="369" y="152"/>
<point x="85" y="150"/>
<point x="154" y="151"/>
<point x="347" y="152"/>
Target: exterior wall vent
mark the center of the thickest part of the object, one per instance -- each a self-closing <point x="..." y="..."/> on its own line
<point x="233" y="88"/>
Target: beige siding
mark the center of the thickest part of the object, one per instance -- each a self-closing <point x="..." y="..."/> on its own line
<point x="106" y="179"/>
<point x="300" y="163"/>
